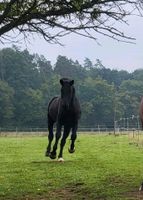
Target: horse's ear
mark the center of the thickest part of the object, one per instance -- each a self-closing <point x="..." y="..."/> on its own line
<point x="72" y="82"/>
<point x="61" y="81"/>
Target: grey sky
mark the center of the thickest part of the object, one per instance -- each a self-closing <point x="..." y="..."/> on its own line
<point x="113" y="54"/>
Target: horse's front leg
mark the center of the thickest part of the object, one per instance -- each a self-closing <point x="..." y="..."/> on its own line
<point x="63" y="141"/>
<point x="50" y="136"/>
<point x="58" y="135"/>
<point x="73" y="138"/>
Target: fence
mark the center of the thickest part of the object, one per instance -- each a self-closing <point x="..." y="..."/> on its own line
<point x="99" y="128"/>
<point x="128" y="124"/>
<point x="122" y="125"/>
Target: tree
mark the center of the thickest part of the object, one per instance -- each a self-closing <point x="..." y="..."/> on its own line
<point x="138" y="74"/>
<point x="97" y="98"/>
<point x="68" y="68"/>
<point x="87" y="64"/>
<point x="66" y="16"/>
<point x="44" y="67"/>
<point x="6" y="104"/>
<point x="130" y="96"/>
<point x="32" y="109"/>
<point x="18" y="68"/>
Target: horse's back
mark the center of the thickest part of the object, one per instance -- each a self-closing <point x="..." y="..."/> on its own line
<point x="53" y="108"/>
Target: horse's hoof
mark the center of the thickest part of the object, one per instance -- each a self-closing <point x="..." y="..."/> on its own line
<point x="61" y="160"/>
<point x="47" y="154"/>
<point x="71" y="150"/>
<point x="141" y="187"/>
<point x="52" y="156"/>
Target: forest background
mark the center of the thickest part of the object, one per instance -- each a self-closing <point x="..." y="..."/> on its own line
<point x="29" y="81"/>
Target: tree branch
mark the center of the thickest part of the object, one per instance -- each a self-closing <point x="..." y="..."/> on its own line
<point x="67" y="16"/>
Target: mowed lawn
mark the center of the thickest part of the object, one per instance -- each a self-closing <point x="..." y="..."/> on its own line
<point x="104" y="167"/>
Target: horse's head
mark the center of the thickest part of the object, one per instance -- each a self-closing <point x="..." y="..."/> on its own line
<point x="67" y="91"/>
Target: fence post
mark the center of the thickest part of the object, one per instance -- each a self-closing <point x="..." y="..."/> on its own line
<point x="115" y="122"/>
<point x="138" y="123"/>
<point x="99" y="128"/>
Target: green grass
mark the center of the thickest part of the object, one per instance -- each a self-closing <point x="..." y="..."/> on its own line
<point x="103" y="167"/>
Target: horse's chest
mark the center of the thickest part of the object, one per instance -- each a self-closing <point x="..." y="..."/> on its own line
<point x="67" y="117"/>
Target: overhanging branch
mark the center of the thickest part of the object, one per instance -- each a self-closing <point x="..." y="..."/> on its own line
<point x="67" y="17"/>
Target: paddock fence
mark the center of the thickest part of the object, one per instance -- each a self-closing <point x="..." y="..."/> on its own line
<point x="121" y="126"/>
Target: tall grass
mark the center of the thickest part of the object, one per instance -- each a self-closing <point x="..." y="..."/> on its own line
<point x="103" y="167"/>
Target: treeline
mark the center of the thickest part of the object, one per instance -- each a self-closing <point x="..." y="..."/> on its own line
<point x="28" y="82"/>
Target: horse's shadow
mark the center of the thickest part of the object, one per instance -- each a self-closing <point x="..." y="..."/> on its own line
<point x="49" y="162"/>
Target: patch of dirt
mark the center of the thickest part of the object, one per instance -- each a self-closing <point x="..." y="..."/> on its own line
<point x="77" y="191"/>
<point x="134" y="195"/>
<point x="71" y="192"/>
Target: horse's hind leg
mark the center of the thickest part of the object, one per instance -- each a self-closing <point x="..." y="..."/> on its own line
<point x="63" y="141"/>
<point x="50" y="136"/>
<point x="73" y="138"/>
<point x="58" y="135"/>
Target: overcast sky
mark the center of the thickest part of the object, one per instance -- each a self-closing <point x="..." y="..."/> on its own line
<point x="113" y="54"/>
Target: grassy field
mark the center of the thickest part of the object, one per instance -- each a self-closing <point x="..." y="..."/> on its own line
<point x="104" y="167"/>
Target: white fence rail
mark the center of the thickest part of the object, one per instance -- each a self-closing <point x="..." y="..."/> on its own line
<point x="122" y="125"/>
<point x="44" y="131"/>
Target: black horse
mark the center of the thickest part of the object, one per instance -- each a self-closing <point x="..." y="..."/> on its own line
<point x="65" y="111"/>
